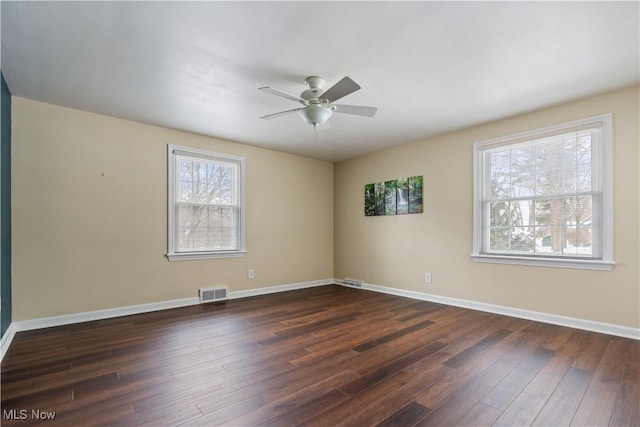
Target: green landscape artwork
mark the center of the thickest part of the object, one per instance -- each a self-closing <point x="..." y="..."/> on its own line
<point x="395" y="197"/>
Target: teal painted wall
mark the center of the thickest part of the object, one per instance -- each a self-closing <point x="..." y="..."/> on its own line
<point x="5" y="206"/>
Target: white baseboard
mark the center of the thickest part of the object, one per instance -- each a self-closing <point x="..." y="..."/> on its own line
<point x="572" y="322"/>
<point x="279" y="288"/>
<point x="88" y="316"/>
<point x="68" y="319"/>
<point x="5" y="342"/>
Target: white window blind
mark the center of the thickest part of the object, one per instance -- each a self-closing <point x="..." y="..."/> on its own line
<point x="205" y="204"/>
<point x="545" y="194"/>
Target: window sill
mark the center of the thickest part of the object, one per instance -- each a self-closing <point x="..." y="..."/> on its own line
<point x="185" y="256"/>
<point x="581" y="264"/>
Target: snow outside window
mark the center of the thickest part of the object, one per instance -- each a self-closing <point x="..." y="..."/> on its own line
<point x="544" y="197"/>
<point x="206" y="213"/>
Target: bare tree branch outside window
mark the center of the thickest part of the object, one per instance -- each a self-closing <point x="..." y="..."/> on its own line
<point x="540" y="195"/>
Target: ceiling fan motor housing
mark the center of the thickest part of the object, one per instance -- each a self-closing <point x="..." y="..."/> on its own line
<point x="314" y="82"/>
<point x="311" y="95"/>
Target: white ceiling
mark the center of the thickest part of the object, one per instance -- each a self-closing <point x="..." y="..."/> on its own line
<point x="429" y="67"/>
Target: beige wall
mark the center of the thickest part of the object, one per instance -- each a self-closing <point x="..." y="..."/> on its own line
<point x="83" y="241"/>
<point x="90" y="215"/>
<point x="396" y="251"/>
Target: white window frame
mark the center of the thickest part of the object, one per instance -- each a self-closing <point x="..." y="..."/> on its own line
<point x="172" y="253"/>
<point x="603" y="169"/>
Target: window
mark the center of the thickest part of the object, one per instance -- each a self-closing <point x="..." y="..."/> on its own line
<point x="544" y="197"/>
<point x="206" y="212"/>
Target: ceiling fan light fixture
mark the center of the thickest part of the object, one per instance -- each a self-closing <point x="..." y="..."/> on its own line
<point x="315" y="114"/>
<point x="318" y="104"/>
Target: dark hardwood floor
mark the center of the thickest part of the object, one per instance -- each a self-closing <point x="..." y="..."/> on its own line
<point x="323" y="356"/>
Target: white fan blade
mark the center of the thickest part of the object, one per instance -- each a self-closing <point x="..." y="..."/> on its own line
<point x="341" y="89"/>
<point x="278" y="92"/>
<point x="281" y="113"/>
<point x="358" y="110"/>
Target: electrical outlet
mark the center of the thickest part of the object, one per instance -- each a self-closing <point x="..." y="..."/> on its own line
<point x="427" y="277"/>
<point x="250" y="274"/>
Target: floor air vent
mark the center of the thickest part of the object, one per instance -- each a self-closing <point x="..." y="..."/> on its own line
<point x="352" y="283"/>
<point x="214" y="294"/>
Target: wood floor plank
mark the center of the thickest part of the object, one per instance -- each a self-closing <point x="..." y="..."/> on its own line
<point x="428" y="374"/>
<point x="305" y="329"/>
<point x="392" y="336"/>
<point x="468" y="396"/>
<point x="626" y="408"/>
<point x="339" y="343"/>
<point x="477" y="348"/>
<point x="408" y="415"/>
<point x="303" y="412"/>
<point x="478" y="416"/>
<point x="378" y="411"/>
<point x="526" y="407"/>
<point x="564" y="401"/>
<point x="590" y="351"/>
<point x="323" y="356"/>
<point x="226" y="413"/>
<point x="421" y="310"/>
<point x="613" y="363"/>
<point x="169" y="416"/>
<point x="358" y="385"/>
<point x="297" y="405"/>
<point x="501" y="396"/>
<point x="438" y="393"/>
<point x="359" y="403"/>
<point x="321" y="372"/>
<point x="596" y="407"/>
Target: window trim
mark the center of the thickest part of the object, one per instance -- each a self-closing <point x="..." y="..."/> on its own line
<point x="604" y="159"/>
<point x="172" y="255"/>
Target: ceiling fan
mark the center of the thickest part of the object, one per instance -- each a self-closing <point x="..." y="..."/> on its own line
<point x="318" y="104"/>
